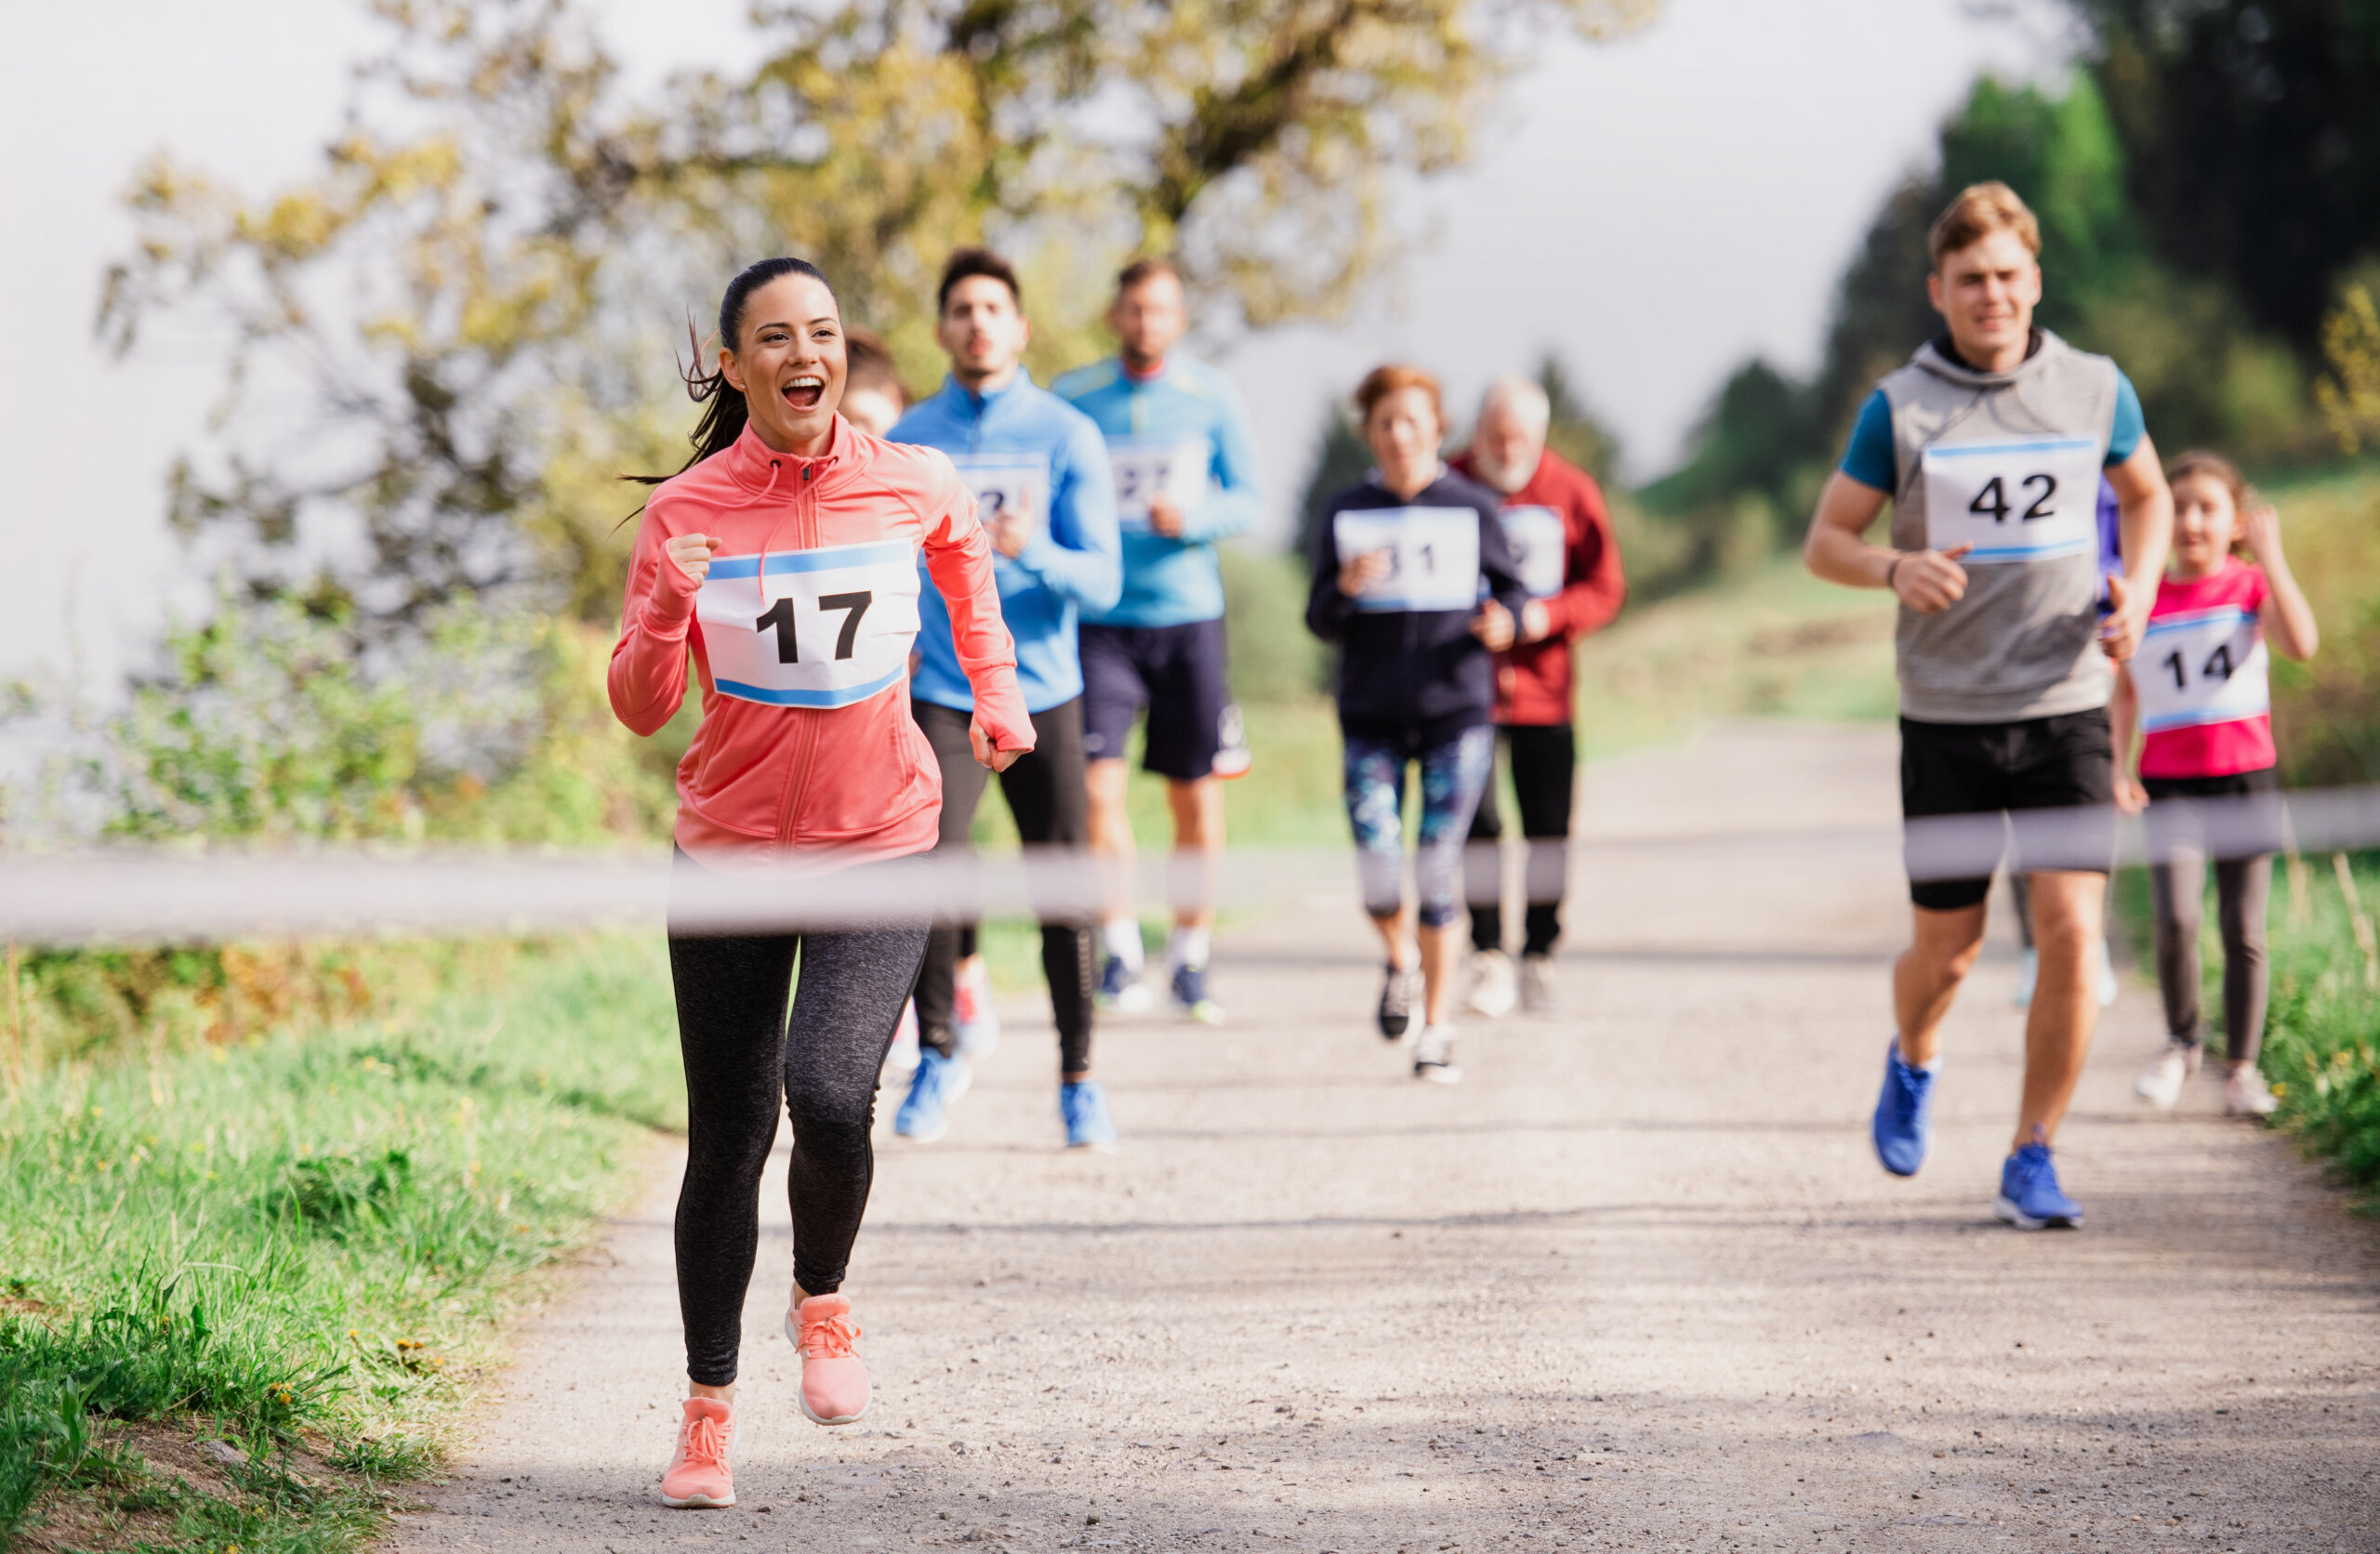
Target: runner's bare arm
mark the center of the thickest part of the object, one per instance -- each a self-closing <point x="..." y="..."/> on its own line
<point x="1927" y="581"/>
<point x="2123" y="719"/>
<point x="2147" y="523"/>
<point x="2288" y="620"/>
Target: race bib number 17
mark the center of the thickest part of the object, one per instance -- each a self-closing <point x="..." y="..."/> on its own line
<point x="816" y="628"/>
<point x="2015" y="502"/>
<point x="1434" y="556"/>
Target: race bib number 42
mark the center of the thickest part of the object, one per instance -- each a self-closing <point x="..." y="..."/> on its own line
<point x="817" y="628"/>
<point x="2201" y="666"/>
<point x="2015" y="502"/>
<point x="1434" y="556"/>
<point x="1539" y="547"/>
<point x="1176" y="471"/>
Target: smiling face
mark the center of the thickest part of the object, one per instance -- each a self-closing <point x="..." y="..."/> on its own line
<point x="984" y="330"/>
<point x="1403" y="432"/>
<point x="1986" y="292"/>
<point x="790" y="363"/>
<point x="2206" y="525"/>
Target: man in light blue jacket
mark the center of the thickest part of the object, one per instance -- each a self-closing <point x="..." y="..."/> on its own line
<point x="1185" y="477"/>
<point x="1039" y="469"/>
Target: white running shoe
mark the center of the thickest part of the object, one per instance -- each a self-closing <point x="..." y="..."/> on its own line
<point x="1495" y="988"/>
<point x="2246" y="1095"/>
<point x="1537" y="993"/>
<point x="978" y="1023"/>
<point x="1434" y="1056"/>
<point x="2160" y="1084"/>
<point x="2108" y="985"/>
<point x="903" y="1057"/>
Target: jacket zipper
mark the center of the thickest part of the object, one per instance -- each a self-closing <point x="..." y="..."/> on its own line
<point x="805" y="532"/>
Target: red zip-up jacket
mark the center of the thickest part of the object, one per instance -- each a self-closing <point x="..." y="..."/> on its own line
<point x="806" y="740"/>
<point x="1533" y="678"/>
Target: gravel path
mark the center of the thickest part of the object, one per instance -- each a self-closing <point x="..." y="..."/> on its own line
<point x="1638" y="1285"/>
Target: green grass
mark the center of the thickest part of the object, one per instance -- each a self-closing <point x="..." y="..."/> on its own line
<point x="307" y="1244"/>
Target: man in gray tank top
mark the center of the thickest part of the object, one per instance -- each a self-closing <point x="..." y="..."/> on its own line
<point x="1989" y="445"/>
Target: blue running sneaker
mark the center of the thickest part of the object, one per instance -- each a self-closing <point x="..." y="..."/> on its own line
<point x="1190" y="996"/>
<point x="1083" y="1104"/>
<point x="1121" y="988"/>
<point x="2030" y="1196"/>
<point x="1904" y="1123"/>
<point x="933" y="1090"/>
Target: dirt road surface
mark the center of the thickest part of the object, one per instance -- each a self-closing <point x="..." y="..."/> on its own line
<point x="1638" y="1284"/>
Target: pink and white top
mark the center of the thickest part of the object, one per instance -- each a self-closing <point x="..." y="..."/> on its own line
<point x="2200" y="673"/>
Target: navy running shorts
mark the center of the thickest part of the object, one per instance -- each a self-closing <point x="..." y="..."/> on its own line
<point x="2065" y="762"/>
<point x="1177" y="672"/>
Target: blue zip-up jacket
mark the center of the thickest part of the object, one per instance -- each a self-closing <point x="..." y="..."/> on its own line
<point x="1185" y="405"/>
<point x="1022" y="438"/>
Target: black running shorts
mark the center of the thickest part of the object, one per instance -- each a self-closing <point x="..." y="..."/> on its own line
<point x="2067" y="762"/>
<point x="1178" y="672"/>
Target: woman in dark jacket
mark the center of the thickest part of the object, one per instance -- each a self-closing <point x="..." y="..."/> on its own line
<point x="1414" y="583"/>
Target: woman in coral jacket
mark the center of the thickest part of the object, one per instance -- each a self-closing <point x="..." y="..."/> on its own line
<point x="784" y="561"/>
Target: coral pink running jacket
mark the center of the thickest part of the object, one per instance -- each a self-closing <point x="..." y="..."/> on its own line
<point x="801" y="636"/>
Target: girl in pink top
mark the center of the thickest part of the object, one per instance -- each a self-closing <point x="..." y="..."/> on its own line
<point x="782" y="563"/>
<point x="2198" y="694"/>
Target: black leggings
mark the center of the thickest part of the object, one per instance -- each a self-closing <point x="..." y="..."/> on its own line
<point x="740" y="1059"/>
<point x="1544" y="759"/>
<point x="1046" y="797"/>
<point x="2243" y="890"/>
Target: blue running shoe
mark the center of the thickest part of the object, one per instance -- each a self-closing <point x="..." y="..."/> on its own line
<point x="933" y="1090"/>
<point x="2030" y="1196"/>
<point x="1904" y="1122"/>
<point x="1120" y="988"/>
<point x="1190" y="996"/>
<point x="1083" y="1104"/>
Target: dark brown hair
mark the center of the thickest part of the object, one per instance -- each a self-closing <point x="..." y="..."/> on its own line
<point x="871" y="365"/>
<point x="976" y="261"/>
<point x="2213" y="466"/>
<point x="1142" y="270"/>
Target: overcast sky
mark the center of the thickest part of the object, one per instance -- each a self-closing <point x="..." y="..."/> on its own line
<point x="1655" y="210"/>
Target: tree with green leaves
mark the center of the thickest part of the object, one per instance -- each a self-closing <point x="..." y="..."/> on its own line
<point x="466" y="312"/>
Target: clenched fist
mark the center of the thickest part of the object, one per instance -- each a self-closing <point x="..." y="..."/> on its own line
<point x="693" y="554"/>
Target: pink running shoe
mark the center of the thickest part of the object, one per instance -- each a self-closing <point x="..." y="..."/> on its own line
<point x="834" y="1379"/>
<point x="699" y="1477"/>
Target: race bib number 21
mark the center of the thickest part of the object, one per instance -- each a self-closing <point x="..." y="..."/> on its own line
<point x="2014" y="502"/>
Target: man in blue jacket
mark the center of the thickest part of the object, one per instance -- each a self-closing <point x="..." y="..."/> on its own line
<point x="1039" y="469"/>
<point x="1185" y="477"/>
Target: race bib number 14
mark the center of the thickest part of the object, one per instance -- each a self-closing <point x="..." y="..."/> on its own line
<point x="818" y="628"/>
<point x="2199" y="666"/>
<point x="2015" y="502"/>
<point x="1434" y="556"/>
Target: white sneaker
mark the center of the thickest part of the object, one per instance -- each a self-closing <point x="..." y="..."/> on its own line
<point x="1537" y="993"/>
<point x="2108" y="986"/>
<point x="1434" y="1056"/>
<point x="2160" y="1084"/>
<point x="1494" y="987"/>
<point x="2029" y="971"/>
<point x="903" y="1057"/>
<point x="2245" y="1094"/>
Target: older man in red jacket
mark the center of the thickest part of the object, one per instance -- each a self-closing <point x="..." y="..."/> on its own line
<point x="1561" y="537"/>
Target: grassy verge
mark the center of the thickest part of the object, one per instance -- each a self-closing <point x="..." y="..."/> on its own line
<point x="301" y="1248"/>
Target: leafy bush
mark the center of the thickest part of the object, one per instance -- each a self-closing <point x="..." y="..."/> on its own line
<point x="2322" y="1043"/>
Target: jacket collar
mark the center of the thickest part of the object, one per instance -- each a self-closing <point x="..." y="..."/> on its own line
<point x="756" y="467"/>
<point x="979" y="404"/>
<point x="1938" y="357"/>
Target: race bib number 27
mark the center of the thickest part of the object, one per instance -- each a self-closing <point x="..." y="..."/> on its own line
<point x="816" y="629"/>
<point x="2014" y="502"/>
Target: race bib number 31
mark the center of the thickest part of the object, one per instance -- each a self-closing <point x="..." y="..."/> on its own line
<point x="1176" y="471"/>
<point x="2201" y="666"/>
<point x="1537" y="543"/>
<point x="818" y="628"/>
<point x="1434" y="556"/>
<point x="2015" y="502"/>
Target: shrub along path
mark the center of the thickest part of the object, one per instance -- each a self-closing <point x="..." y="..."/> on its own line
<point x="1637" y="1283"/>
